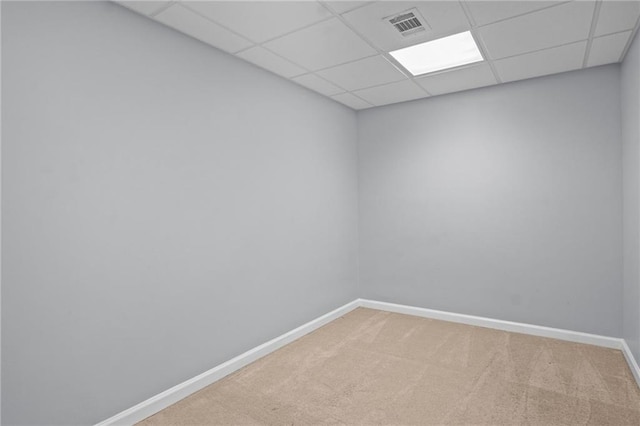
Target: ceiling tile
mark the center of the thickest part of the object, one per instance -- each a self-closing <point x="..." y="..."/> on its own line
<point x="486" y="12"/>
<point x="443" y="18"/>
<point x="351" y="101"/>
<point x="322" y="45"/>
<point x="318" y="84"/>
<point x="190" y="23"/>
<point x="617" y="16"/>
<point x="607" y="49"/>
<point x="547" y="28"/>
<point x="270" y="61"/>
<point x="461" y="79"/>
<point x="344" y="6"/>
<point x="145" y="7"/>
<point x="544" y="62"/>
<point x="366" y="72"/>
<point x="392" y="93"/>
<point x="261" y="20"/>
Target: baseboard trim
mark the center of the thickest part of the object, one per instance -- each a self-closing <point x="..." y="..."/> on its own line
<point x="633" y="364"/>
<point x="171" y="396"/>
<point x="516" y="327"/>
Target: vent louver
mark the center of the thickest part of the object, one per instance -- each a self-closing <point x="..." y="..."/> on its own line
<point x="407" y="23"/>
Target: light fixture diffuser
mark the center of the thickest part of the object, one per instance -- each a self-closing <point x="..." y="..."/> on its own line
<point x="435" y="55"/>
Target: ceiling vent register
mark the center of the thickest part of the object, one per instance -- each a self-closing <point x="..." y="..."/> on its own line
<point x="408" y="23"/>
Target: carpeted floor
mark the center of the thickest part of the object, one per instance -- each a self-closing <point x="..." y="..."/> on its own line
<point x="374" y="367"/>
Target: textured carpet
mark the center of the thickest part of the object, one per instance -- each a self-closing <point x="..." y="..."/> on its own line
<point x="374" y="367"/>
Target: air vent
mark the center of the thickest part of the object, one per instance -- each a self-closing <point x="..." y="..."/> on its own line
<point x="408" y="23"/>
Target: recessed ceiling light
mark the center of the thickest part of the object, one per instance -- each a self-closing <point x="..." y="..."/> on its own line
<point x="435" y="55"/>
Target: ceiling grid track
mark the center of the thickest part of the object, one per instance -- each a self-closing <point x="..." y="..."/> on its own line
<point x="634" y="33"/>
<point x="384" y="54"/>
<point x="516" y="41"/>
<point x="479" y="41"/>
<point x="163" y="7"/>
<point x="519" y="15"/>
<point x="262" y="43"/>
<point x="186" y="6"/>
<point x="592" y="31"/>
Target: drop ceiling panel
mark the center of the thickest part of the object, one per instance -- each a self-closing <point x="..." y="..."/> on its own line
<point x="617" y="16"/>
<point x="486" y="12"/>
<point x="443" y="18"/>
<point x="392" y="93"/>
<point x="270" y="61"/>
<point x="546" y="28"/>
<point x="262" y="20"/>
<point x="318" y="84"/>
<point x="145" y="7"/>
<point x="607" y="49"/>
<point x="322" y="45"/>
<point x="366" y="72"/>
<point x="190" y="23"/>
<point x="351" y="101"/>
<point x="466" y="78"/>
<point x="544" y="62"/>
<point x="344" y="6"/>
<point x="341" y="48"/>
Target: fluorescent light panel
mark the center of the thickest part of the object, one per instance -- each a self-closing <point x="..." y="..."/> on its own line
<point x="435" y="55"/>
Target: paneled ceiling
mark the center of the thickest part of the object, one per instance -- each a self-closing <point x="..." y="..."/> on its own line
<point x="340" y="49"/>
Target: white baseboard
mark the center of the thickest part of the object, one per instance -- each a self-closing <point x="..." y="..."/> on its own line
<point x="633" y="365"/>
<point x="182" y="390"/>
<point x="516" y="327"/>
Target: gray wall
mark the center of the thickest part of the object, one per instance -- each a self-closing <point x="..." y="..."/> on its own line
<point x="166" y="207"/>
<point x="503" y="202"/>
<point x="630" y="84"/>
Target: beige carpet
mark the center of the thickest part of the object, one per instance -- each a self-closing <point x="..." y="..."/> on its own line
<point x="374" y="367"/>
